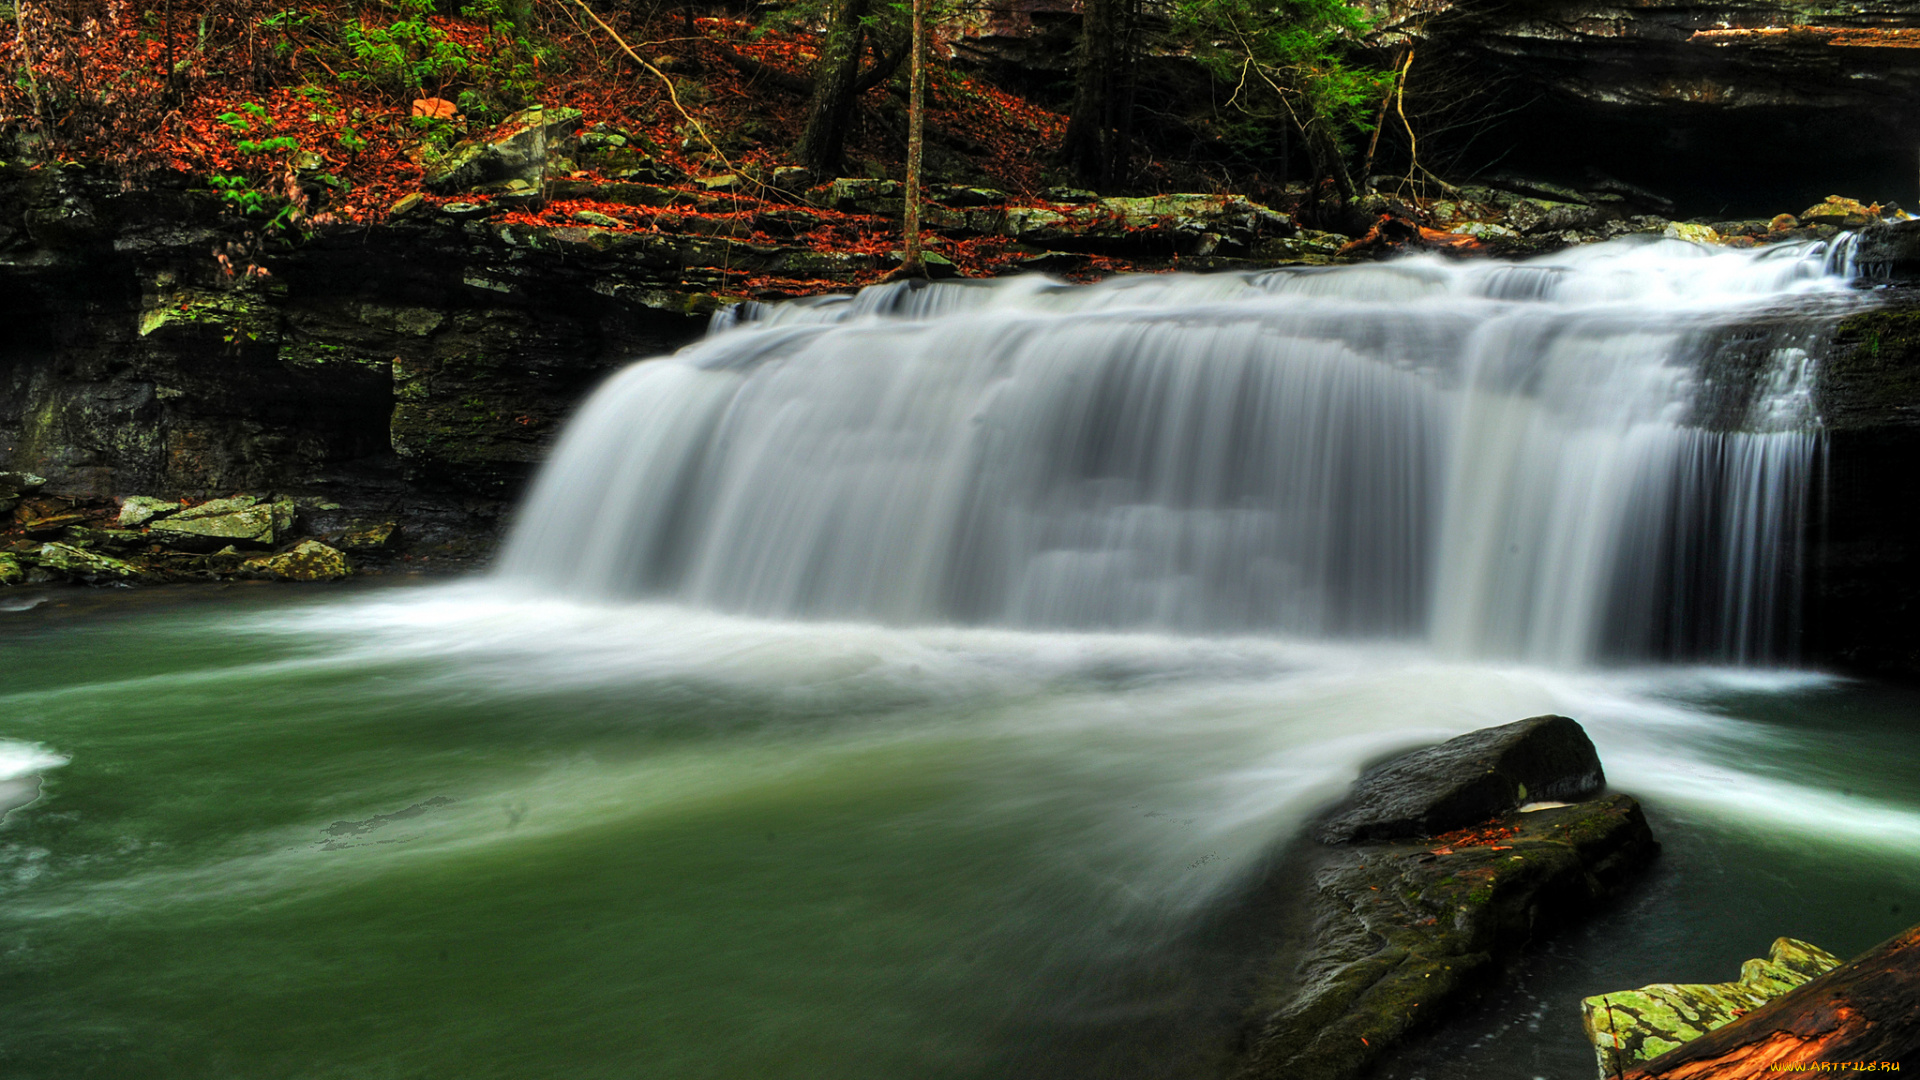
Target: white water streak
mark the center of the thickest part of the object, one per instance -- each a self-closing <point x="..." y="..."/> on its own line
<point x="1494" y="457"/>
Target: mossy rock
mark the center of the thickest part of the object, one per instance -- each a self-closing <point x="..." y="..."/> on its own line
<point x="310" y="561"/>
<point x="11" y="570"/>
<point x="1630" y="1026"/>
<point x="82" y="565"/>
<point x="1871" y="377"/>
<point x="138" y="510"/>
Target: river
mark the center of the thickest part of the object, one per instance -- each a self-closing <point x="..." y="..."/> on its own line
<point x="944" y="717"/>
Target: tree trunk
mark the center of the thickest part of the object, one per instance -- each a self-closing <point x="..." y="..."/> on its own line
<point x="1864" y="1011"/>
<point x="1095" y="146"/>
<point x="836" y="78"/>
<point x="910" y="262"/>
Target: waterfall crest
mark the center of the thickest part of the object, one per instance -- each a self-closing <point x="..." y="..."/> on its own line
<point x="1555" y="460"/>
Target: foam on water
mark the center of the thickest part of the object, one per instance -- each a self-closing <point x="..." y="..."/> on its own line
<point x="1183" y="758"/>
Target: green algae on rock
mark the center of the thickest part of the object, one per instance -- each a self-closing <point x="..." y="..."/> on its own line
<point x="85" y="565"/>
<point x="310" y="561"/>
<point x="140" y="509"/>
<point x="242" y="518"/>
<point x="1630" y="1026"/>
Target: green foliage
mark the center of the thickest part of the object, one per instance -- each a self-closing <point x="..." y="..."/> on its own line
<point x="246" y="118"/>
<point x="276" y="145"/>
<point x="406" y="56"/>
<point x="238" y="192"/>
<point x="409" y="56"/>
<point x="1295" y="62"/>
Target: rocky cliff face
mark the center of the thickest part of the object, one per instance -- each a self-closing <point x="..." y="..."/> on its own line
<point x="1863" y="592"/>
<point x="1774" y="101"/>
<point x="417" y="370"/>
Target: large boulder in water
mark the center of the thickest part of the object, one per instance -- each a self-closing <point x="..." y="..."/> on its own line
<point x="1467" y="780"/>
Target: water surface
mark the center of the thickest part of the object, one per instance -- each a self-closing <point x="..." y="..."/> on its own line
<point x="449" y="831"/>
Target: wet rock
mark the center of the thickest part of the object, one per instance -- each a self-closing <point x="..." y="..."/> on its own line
<point x="81" y="565"/>
<point x="310" y="561"/>
<point x="517" y="151"/>
<point x="1630" y="1026"/>
<point x="140" y="509"/>
<point x="11" y="570"/>
<point x="1859" y="1017"/>
<point x="1402" y="930"/>
<point x="242" y="518"/>
<point x="1889" y="251"/>
<point x="1469" y="779"/>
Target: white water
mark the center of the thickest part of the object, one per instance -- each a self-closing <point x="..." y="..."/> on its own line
<point x="1499" y="459"/>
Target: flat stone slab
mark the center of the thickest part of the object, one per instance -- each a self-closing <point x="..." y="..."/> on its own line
<point x="1470" y="779"/>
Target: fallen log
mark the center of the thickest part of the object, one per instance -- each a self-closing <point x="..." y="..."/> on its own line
<point x="1863" y="1016"/>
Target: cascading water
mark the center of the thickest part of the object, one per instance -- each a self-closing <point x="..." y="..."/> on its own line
<point x="1555" y="460"/>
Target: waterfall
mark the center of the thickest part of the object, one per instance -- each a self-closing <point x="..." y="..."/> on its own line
<point x="1587" y="455"/>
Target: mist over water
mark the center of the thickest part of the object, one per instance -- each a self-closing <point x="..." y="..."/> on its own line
<point x="1502" y="460"/>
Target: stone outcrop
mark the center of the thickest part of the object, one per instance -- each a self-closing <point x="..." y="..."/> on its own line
<point x="417" y="369"/>
<point x="1862" y="606"/>
<point x="1630" y="1026"/>
<point x="1402" y="929"/>
<point x="1690" y="96"/>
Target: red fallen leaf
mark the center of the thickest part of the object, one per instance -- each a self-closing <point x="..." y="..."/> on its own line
<point x="435" y="108"/>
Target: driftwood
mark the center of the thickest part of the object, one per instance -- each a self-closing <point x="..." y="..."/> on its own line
<point x="1865" y="1013"/>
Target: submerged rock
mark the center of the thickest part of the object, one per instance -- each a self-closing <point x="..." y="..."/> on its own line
<point x="1469" y="779"/>
<point x="310" y="561"/>
<point x="1631" y="1026"/>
